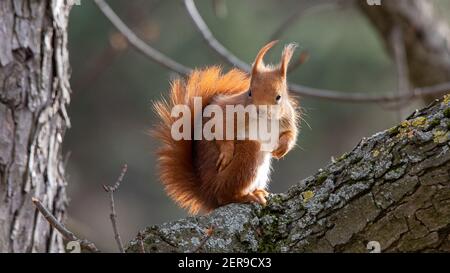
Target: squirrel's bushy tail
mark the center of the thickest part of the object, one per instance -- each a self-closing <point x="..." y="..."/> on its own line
<point x="175" y="158"/>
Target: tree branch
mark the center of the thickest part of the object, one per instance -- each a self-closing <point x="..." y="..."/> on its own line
<point x="67" y="234"/>
<point x="426" y="37"/>
<point x="113" y="215"/>
<point x="209" y="38"/>
<point x="304" y="90"/>
<point x="138" y="44"/>
<point x="392" y="188"/>
<point x="326" y="94"/>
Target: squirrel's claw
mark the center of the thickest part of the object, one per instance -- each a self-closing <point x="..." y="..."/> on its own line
<point x="260" y="196"/>
<point x="254" y="197"/>
<point x="262" y="191"/>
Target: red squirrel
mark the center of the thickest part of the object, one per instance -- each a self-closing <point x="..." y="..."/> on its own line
<point x="201" y="175"/>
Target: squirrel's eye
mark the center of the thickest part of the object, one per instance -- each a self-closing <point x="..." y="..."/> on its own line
<point x="278" y="98"/>
<point x="249" y="93"/>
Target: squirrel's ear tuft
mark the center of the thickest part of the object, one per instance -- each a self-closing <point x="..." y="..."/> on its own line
<point x="258" y="64"/>
<point x="286" y="57"/>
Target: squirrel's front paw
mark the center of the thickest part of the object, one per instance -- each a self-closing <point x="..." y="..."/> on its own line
<point x="281" y="151"/>
<point x="223" y="160"/>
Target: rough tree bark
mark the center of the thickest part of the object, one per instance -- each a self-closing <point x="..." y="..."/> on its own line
<point x="426" y="37"/>
<point x="34" y="93"/>
<point x="393" y="188"/>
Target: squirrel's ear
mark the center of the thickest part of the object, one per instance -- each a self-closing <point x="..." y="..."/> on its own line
<point x="258" y="64"/>
<point x="286" y="57"/>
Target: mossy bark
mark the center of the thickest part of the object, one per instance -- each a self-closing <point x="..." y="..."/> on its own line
<point x="392" y="188"/>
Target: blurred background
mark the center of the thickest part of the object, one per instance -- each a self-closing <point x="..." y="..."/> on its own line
<point x="113" y="87"/>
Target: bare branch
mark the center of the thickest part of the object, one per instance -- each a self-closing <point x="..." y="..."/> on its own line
<point x="139" y="44"/>
<point x="118" y="181"/>
<point x="305" y="91"/>
<point x="113" y="215"/>
<point x="339" y="96"/>
<point x="67" y="234"/>
<point x="209" y="38"/>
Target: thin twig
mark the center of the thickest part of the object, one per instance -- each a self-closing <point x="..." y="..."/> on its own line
<point x="338" y="96"/>
<point x="113" y="215"/>
<point x="67" y="234"/>
<point x="325" y="94"/>
<point x="118" y="181"/>
<point x="139" y="44"/>
<point x="209" y="38"/>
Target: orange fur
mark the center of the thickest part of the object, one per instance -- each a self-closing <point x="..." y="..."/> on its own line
<point x="201" y="175"/>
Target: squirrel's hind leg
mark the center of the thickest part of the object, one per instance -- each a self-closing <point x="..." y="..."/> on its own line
<point x="263" y="192"/>
<point x="261" y="195"/>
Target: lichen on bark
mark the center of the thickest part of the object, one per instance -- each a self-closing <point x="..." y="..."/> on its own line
<point x="393" y="188"/>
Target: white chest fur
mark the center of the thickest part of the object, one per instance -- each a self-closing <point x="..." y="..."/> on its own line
<point x="262" y="177"/>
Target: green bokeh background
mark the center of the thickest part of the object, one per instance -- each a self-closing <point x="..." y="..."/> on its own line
<point x="113" y="89"/>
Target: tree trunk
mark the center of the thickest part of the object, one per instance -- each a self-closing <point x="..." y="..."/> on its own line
<point x="392" y="188"/>
<point x="34" y="93"/>
<point x="426" y="37"/>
